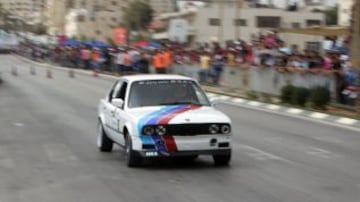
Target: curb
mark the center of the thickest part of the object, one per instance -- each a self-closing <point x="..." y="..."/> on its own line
<point x="327" y="119"/>
<point x="343" y="122"/>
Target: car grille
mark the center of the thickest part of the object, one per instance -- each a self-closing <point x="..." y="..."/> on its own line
<point x="188" y="129"/>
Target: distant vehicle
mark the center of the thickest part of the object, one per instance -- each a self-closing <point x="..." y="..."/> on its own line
<point x="155" y="116"/>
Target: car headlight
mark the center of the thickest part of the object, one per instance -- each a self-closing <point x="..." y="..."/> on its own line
<point x="213" y="129"/>
<point x="160" y="130"/>
<point x="148" y="130"/>
<point x="225" y="129"/>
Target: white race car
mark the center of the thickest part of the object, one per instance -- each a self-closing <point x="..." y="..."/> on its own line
<point x="154" y="116"/>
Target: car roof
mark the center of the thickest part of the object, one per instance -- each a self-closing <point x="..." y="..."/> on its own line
<point x="143" y="77"/>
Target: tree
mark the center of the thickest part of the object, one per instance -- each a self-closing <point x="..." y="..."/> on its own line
<point x="138" y="15"/>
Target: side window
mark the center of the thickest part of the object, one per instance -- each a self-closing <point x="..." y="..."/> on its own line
<point x="120" y="90"/>
<point x="110" y="95"/>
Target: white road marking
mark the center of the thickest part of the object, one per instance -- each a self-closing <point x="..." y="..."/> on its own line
<point x="238" y="100"/>
<point x="322" y="153"/>
<point x="211" y="94"/>
<point x="273" y="107"/>
<point x="224" y="97"/>
<point x="254" y="103"/>
<point x="346" y="121"/>
<point x="17" y="124"/>
<point x="259" y="154"/>
<point x="295" y="111"/>
<point x="318" y="115"/>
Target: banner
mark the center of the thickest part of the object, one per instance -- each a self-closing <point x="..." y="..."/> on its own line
<point x="120" y="36"/>
<point x="178" y="30"/>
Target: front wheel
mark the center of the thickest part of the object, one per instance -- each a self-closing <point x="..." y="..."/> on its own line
<point x="132" y="160"/>
<point x="104" y="143"/>
<point x="222" y="160"/>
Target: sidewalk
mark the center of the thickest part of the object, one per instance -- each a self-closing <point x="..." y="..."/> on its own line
<point x="333" y="116"/>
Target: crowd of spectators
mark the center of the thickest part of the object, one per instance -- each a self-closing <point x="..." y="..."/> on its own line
<point x="264" y="50"/>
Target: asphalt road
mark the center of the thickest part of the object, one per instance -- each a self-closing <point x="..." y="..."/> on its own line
<point x="48" y="152"/>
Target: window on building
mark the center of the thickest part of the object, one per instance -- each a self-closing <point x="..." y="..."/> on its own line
<point x="80" y="18"/>
<point x="268" y="22"/>
<point x="113" y="19"/>
<point x="214" y="22"/>
<point x="310" y="23"/>
<point x="313" y="46"/>
<point x="114" y="3"/>
<point x="295" y="25"/>
<point x="240" y="22"/>
<point x="70" y="4"/>
<point x="98" y="32"/>
<point x="83" y="4"/>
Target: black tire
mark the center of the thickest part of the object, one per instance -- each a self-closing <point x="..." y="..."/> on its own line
<point x="222" y="160"/>
<point x="132" y="160"/>
<point x="104" y="143"/>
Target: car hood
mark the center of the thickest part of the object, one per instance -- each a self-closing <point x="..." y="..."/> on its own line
<point x="179" y="114"/>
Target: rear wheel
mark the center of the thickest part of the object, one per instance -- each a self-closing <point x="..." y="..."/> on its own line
<point x="104" y="143"/>
<point x="222" y="160"/>
<point x="132" y="160"/>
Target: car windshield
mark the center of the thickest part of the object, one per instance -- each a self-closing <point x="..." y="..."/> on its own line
<point x="166" y="92"/>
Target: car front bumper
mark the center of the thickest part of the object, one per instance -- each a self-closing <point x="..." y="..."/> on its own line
<point x="156" y="154"/>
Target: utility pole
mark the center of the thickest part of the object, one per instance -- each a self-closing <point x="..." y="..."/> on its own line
<point x="355" y="49"/>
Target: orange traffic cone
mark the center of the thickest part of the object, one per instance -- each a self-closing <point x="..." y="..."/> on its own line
<point x="49" y="73"/>
<point x="71" y="73"/>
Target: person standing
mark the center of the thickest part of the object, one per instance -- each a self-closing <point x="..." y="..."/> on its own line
<point x="143" y="64"/>
<point x="205" y="66"/>
<point x="159" y="64"/>
<point x="119" y="61"/>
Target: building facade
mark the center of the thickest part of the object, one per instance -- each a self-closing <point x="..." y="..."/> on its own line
<point x="92" y="19"/>
<point x="29" y="11"/>
<point x="162" y="6"/>
<point x="228" y="22"/>
<point x="344" y="12"/>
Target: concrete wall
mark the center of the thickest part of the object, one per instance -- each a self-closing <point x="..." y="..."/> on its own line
<point x="262" y="80"/>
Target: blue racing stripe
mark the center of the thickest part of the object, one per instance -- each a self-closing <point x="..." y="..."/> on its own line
<point x="155" y="119"/>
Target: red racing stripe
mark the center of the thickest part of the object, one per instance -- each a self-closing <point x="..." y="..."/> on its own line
<point x="167" y="118"/>
<point x="170" y="143"/>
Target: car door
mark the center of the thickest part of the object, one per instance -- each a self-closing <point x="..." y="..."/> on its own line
<point x="118" y="115"/>
<point x="108" y="111"/>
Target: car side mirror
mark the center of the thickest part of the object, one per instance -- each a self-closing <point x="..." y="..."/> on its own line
<point x="117" y="102"/>
<point x="214" y="101"/>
